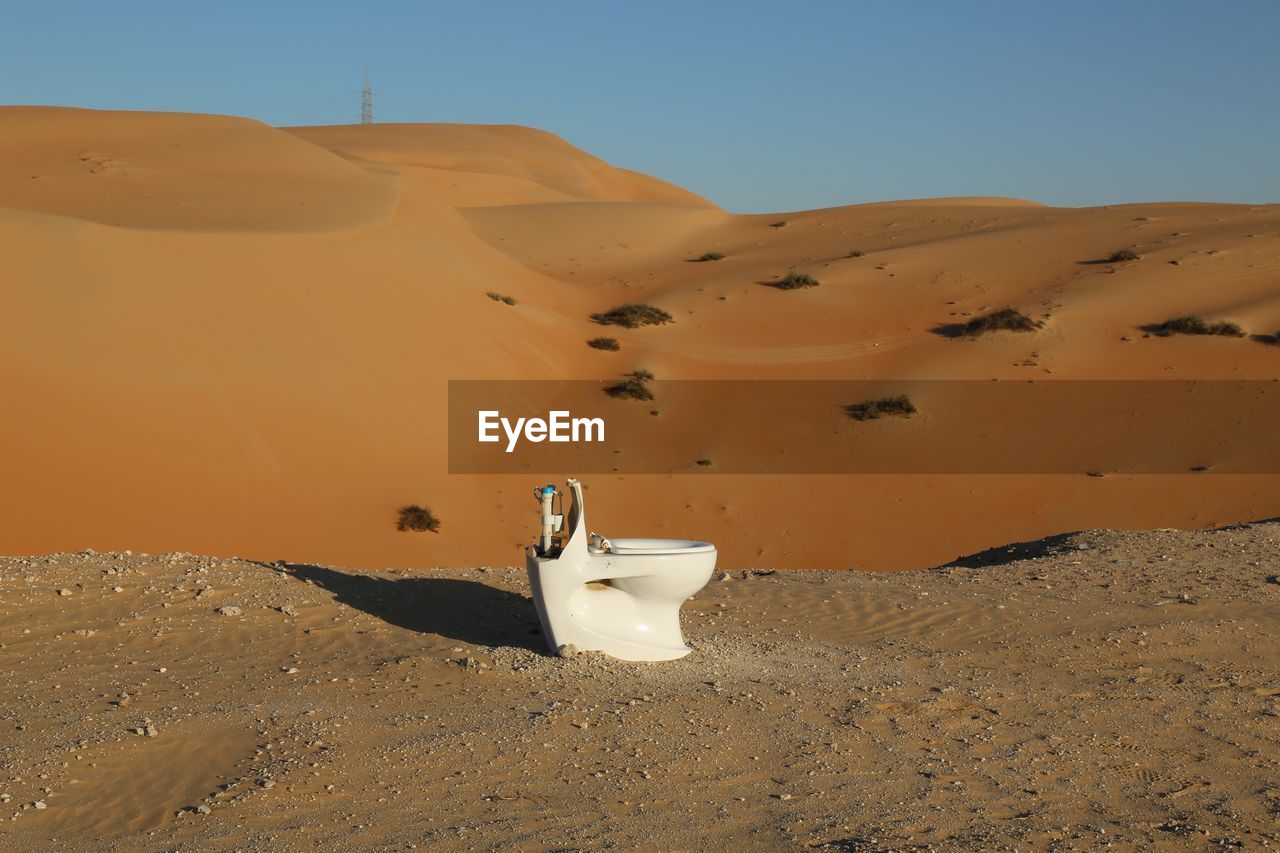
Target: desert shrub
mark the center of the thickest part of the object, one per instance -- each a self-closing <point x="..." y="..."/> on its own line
<point x="632" y="315"/>
<point x="856" y="253"/>
<point x="418" y="519"/>
<point x="795" y="281"/>
<point x="1190" y="324"/>
<point x="498" y="297"/>
<point x="634" y="387"/>
<point x="1005" y="319"/>
<point x="711" y="256"/>
<point x="1121" y="255"/>
<point x="899" y="406"/>
<point x="607" y="344"/>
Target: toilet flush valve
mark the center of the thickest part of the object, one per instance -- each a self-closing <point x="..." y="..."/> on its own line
<point x="552" y="522"/>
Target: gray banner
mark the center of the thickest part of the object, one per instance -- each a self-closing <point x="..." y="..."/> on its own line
<point x="645" y="426"/>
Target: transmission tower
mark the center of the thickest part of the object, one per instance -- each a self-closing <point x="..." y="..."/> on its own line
<point x="366" y="102"/>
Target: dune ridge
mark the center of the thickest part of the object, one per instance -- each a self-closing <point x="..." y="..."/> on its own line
<point x="176" y="171"/>
<point x="477" y="165"/>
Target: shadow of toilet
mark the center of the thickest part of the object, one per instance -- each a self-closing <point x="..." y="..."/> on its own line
<point x="462" y="610"/>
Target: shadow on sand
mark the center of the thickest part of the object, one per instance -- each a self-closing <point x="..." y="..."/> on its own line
<point x="1011" y="553"/>
<point x="462" y="610"/>
<point x="950" y="330"/>
<point x="1060" y="543"/>
<point x="1159" y="331"/>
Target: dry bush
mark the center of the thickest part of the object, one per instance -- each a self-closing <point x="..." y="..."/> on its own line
<point x="417" y="519"/>
<point x="870" y="410"/>
<point x="633" y="315"/>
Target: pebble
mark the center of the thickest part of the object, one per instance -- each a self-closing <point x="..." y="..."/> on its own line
<point x="288" y="610"/>
<point x="229" y="610"/>
<point x="64" y="591"/>
<point x="568" y="650"/>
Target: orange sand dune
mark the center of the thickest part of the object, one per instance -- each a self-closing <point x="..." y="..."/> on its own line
<point x="963" y="201"/>
<point x="221" y="337"/>
<point x="496" y="164"/>
<point x="182" y="172"/>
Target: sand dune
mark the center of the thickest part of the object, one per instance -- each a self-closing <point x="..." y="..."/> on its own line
<point x="221" y="337"/>
<point x="180" y="172"/>
<point x="496" y="164"/>
<point x="963" y="201"/>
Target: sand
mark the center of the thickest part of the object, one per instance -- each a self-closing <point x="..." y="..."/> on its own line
<point x="226" y="338"/>
<point x="1100" y="687"/>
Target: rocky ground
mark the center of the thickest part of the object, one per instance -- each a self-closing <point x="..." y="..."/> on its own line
<point x="1092" y="689"/>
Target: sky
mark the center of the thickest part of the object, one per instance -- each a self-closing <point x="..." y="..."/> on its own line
<point x="759" y="106"/>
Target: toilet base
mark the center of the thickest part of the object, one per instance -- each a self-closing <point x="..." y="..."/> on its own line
<point x="624" y="600"/>
<point x="602" y="618"/>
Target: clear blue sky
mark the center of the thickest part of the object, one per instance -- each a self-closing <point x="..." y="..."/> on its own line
<point x="761" y="106"/>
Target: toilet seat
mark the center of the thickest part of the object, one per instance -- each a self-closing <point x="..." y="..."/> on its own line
<point x="659" y="546"/>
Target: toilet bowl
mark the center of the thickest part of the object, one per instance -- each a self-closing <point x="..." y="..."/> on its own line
<point x="620" y="596"/>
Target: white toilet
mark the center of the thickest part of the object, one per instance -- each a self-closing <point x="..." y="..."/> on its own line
<point x="620" y="596"/>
